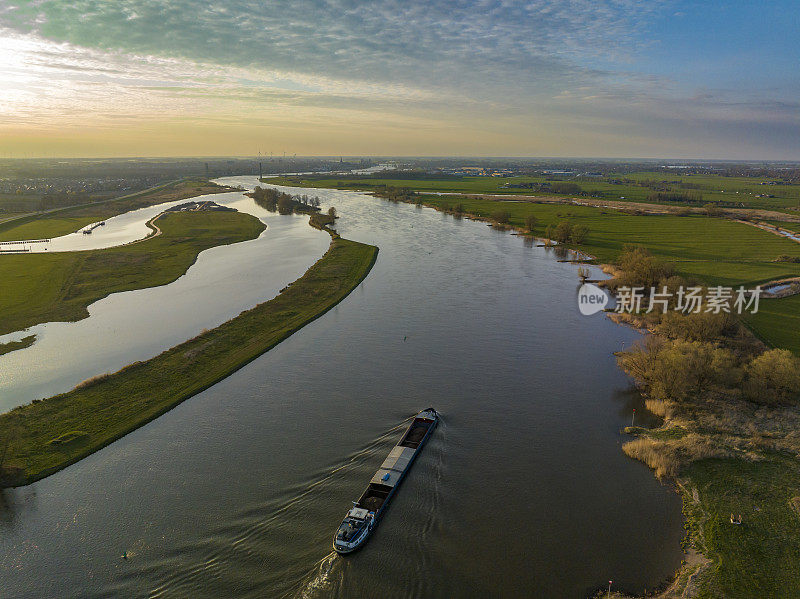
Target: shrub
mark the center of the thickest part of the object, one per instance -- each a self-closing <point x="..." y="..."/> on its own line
<point x="530" y="223"/>
<point x="578" y="234"/>
<point x="91" y="382"/>
<point x="676" y="196"/>
<point x="285" y="204"/>
<point x="563" y="231"/>
<point x="501" y="217"/>
<point x="675" y="369"/>
<point x="639" y="361"/>
<point x="702" y="326"/>
<point x="396" y="194"/>
<point x="668" y="458"/>
<point x="712" y="210"/>
<point x="773" y="376"/>
<point x="641" y="269"/>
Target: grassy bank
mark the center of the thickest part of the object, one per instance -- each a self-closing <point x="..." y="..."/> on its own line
<point x="761" y="557"/>
<point x="15" y="345"/>
<point x="778" y="322"/>
<point x="731" y="410"/>
<point x="731" y="452"/>
<point x="59" y="286"/>
<point x="68" y="220"/>
<point x="716" y="250"/>
<point x="46" y="436"/>
<point x="629" y="187"/>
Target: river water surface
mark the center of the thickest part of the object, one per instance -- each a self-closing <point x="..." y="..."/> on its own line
<point x="137" y="325"/>
<point x="523" y="490"/>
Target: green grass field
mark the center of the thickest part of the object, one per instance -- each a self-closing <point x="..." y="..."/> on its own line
<point x="69" y="220"/>
<point x="718" y="251"/>
<point x="48" y="435"/>
<point x="729" y="190"/>
<point x="58" y="287"/>
<point x="778" y="322"/>
<point x="15" y="345"/>
<point x="715" y="251"/>
<point x="759" y="558"/>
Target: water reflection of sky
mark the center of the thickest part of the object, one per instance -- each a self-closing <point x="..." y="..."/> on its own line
<point x="136" y="325"/>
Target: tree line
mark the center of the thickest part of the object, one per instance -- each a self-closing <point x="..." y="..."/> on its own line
<point x="701" y="352"/>
<point x="284" y="203"/>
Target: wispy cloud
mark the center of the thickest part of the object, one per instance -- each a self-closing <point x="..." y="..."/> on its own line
<point x="513" y="63"/>
<point x="451" y="45"/>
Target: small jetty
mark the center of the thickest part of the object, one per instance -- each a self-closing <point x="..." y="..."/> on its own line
<point x="362" y="519"/>
<point x="200" y="206"/>
<point x="25" y="242"/>
<point x="19" y="247"/>
<point x="88" y="230"/>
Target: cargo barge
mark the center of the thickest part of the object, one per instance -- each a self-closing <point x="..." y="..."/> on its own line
<point x="362" y="519"/>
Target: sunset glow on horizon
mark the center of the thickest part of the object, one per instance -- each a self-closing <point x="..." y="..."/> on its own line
<point x="614" y="78"/>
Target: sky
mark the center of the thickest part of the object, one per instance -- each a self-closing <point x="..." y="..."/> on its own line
<point x="575" y="78"/>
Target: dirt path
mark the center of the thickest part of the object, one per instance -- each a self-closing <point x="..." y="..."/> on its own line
<point x="151" y="224"/>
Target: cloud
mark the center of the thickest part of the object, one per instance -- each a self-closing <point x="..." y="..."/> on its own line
<point x="420" y="44"/>
<point x="522" y="67"/>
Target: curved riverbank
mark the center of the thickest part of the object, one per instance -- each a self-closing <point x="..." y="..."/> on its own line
<point x="46" y="436"/>
<point x="224" y="487"/>
<point x="60" y="286"/>
<point x="10" y="346"/>
<point x="68" y="220"/>
<point x="728" y="438"/>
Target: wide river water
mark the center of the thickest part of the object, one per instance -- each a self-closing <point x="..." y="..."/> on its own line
<point x="523" y="490"/>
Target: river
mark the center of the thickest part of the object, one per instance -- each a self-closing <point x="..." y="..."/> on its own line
<point x="522" y="491"/>
<point x="137" y="325"/>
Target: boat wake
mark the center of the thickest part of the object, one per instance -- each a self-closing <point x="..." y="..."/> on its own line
<point x="321" y="580"/>
<point x="269" y="545"/>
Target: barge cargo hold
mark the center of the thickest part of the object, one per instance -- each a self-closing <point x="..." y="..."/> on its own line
<point x="362" y="519"/>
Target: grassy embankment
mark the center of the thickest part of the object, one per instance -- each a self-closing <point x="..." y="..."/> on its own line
<point x="59" y="286"/>
<point x="68" y="220"/>
<point x="698" y="244"/>
<point x="731" y="410"/>
<point x="48" y="435"/>
<point x="15" y="345"/>
<point x="629" y="187"/>
<point x="716" y="251"/>
<point x="761" y="558"/>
